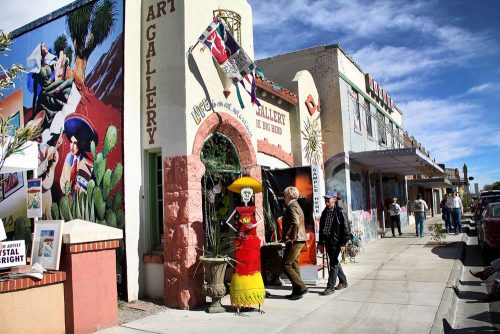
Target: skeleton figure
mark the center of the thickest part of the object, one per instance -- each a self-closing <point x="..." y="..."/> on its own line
<point x="247" y="287"/>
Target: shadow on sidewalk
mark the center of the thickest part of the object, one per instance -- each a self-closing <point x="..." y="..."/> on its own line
<point x="472" y="296"/>
<point x="450" y="250"/>
<point x="484" y="316"/>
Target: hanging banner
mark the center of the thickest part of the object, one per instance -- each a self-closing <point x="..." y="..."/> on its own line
<point x="12" y="253"/>
<point x="34" y="198"/>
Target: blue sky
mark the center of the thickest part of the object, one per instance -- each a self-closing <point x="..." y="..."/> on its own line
<point x="439" y="60"/>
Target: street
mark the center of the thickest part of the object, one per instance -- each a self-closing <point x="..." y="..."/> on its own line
<point x="397" y="285"/>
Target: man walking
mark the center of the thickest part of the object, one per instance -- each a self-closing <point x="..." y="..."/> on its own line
<point x="294" y="237"/>
<point x="457" y="211"/>
<point x="333" y="236"/>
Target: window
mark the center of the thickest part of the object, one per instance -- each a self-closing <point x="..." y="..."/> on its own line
<point x="232" y="20"/>
<point x="156" y="200"/>
<point x="357" y="112"/>
<point x="368" y="114"/>
<point x="393" y="134"/>
<point x="382" y="135"/>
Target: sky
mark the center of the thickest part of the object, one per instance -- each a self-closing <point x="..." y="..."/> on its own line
<point x="439" y="61"/>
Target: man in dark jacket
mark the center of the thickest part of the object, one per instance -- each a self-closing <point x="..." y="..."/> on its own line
<point x="333" y="236"/>
<point x="294" y="237"/>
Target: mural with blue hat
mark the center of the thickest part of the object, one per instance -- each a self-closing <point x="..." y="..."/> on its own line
<point x="73" y="87"/>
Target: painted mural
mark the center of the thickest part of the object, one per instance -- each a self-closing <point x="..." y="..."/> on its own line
<point x="73" y="87"/>
<point x="363" y="208"/>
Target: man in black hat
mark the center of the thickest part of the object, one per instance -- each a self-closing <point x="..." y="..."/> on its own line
<point x="78" y="165"/>
<point x="333" y="236"/>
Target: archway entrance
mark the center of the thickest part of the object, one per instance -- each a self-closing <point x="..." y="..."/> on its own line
<point x="222" y="167"/>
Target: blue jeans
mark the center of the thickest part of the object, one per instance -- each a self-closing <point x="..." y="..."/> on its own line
<point x="456" y="213"/>
<point x="419" y="223"/>
<point x="448" y="221"/>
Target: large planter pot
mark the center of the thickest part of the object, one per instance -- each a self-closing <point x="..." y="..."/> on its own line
<point x="271" y="256"/>
<point x="214" y="287"/>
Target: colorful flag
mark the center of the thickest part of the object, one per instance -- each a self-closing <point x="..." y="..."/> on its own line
<point x="231" y="58"/>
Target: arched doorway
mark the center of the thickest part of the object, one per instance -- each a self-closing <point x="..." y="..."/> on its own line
<point x="222" y="167"/>
<point x="183" y="211"/>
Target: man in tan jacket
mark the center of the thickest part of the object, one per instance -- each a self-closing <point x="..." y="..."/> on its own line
<point x="294" y="237"/>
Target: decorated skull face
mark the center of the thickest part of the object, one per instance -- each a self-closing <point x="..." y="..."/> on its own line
<point x="246" y="194"/>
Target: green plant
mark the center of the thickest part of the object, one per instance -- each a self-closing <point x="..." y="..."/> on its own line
<point x="355" y="244"/>
<point x="222" y="167"/>
<point x="88" y="27"/>
<point x="98" y="204"/>
<point x="437" y="233"/>
<point x="8" y="74"/>
<point x="12" y="140"/>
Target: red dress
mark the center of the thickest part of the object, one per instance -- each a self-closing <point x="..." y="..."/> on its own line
<point x="247" y="286"/>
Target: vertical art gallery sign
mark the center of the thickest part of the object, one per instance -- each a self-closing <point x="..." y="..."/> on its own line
<point x="34" y="198"/>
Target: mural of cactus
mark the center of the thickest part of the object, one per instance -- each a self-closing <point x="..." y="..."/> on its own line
<point x="98" y="203"/>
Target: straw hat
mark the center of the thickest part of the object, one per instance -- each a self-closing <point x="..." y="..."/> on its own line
<point x="243" y="182"/>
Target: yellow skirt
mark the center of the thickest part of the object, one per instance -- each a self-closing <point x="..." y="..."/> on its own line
<point x="247" y="290"/>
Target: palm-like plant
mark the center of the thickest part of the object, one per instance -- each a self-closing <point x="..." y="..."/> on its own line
<point x="12" y="140"/>
<point x="61" y="44"/>
<point x="89" y="26"/>
<point x="7" y="75"/>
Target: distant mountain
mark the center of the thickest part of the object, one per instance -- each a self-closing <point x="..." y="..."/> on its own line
<point x="106" y="78"/>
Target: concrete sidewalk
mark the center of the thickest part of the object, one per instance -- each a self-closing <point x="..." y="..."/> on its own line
<point x="397" y="285"/>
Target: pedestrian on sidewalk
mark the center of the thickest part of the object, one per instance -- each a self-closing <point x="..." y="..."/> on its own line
<point x="445" y="213"/>
<point x="419" y="208"/>
<point x="394" y="211"/>
<point x="457" y="210"/>
<point x="494" y="293"/>
<point x="294" y="237"/>
<point x="333" y="237"/>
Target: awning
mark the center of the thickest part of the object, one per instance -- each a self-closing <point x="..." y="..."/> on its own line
<point x="402" y="161"/>
<point x="434" y="182"/>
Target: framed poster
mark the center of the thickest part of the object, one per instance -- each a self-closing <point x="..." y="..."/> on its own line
<point x="34" y="198"/>
<point x="46" y="249"/>
<point x="12" y="183"/>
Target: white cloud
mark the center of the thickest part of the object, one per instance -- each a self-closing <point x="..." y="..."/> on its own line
<point x="15" y="14"/>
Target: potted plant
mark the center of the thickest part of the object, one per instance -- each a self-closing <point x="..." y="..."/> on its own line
<point x="219" y="244"/>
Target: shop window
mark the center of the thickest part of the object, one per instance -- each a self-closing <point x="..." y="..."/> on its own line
<point x="232" y="20"/>
<point x="357" y="113"/>
<point x="368" y="114"/>
<point x="393" y="134"/>
<point x="155" y="200"/>
<point x="382" y="134"/>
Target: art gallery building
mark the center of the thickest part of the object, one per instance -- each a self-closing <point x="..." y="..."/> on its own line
<point x="157" y="94"/>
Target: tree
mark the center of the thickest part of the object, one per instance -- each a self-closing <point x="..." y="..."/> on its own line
<point x="493" y="186"/>
<point x="61" y="44"/>
<point x="88" y="27"/>
<point x="12" y="140"/>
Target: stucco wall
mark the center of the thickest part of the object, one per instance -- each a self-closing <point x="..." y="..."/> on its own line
<point x="33" y="310"/>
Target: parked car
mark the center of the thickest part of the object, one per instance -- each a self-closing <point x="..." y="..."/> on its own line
<point x="482" y="202"/>
<point x="488" y="231"/>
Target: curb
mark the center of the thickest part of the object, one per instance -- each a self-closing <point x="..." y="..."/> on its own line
<point x="448" y="305"/>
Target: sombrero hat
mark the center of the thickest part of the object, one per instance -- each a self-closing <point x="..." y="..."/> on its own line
<point x="245" y="181"/>
<point x="80" y="127"/>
